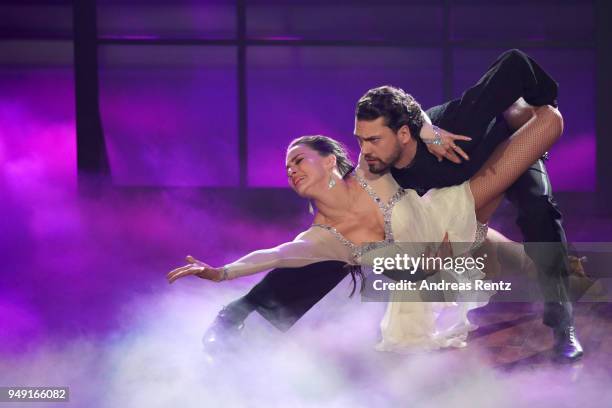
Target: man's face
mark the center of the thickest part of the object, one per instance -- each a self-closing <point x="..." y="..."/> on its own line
<point x="380" y="145"/>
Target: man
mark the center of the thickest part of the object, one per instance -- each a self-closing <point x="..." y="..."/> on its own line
<point x="284" y="295"/>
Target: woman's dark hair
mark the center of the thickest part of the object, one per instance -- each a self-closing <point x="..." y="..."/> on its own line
<point x="356" y="271"/>
<point x="395" y="105"/>
<point x="325" y="146"/>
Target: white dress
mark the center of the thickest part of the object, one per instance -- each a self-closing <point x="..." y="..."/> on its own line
<point x="409" y="325"/>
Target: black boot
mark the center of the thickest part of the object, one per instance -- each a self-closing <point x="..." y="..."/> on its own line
<point x="567" y="347"/>
<point x="224" y="333"/>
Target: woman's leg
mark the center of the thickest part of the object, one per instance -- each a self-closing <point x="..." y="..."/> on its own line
<point x="513" y="157"/>
<point x="485" y="212"/>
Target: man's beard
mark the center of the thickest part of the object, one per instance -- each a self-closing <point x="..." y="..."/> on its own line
<point x="380" y="166"/>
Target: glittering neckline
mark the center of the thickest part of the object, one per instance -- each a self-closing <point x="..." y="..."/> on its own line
<point x="386" y="209"/>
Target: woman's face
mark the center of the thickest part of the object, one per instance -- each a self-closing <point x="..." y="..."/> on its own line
<point x="307" y="170"/>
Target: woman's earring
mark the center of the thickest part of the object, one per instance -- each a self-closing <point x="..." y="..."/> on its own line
<point x="332" y="182"/>
<point x="310" y="209"/>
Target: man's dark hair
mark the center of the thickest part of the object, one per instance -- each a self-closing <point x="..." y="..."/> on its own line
<point x="395" y="105"/>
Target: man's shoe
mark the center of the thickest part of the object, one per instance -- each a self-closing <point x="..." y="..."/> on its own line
<point x="223" y="335"/>
<point x="567" y="347"/>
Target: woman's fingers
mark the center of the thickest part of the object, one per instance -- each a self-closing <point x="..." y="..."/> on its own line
<point x="182" y="274"/>
<point x="175" y="274"/>
<point x="460" y="151"/>
<point x="196" y="268"/>
<point x="450" y="155"/>
<point x="449" y="152"/>
<point x="178" y="270"/>
<point x="183" y="271"/>
<point x="449" y="149"/>
<point x="460" y="137"/>
<point x="191" y="259"/>
<point x="449" y="143"/>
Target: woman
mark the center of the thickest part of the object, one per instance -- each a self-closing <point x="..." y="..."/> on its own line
<point x="358" y="212"/>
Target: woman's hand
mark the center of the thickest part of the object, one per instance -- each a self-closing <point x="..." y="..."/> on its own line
<point x="441" y="143"/>
<point x="196" y="268"/>
<point x="444" y="251"/>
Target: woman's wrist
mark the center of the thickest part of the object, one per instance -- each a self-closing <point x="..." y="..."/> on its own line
<point x="224" y="273"/>
<point x="430" y="134"/>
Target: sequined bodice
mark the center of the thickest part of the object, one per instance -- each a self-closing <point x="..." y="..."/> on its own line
<point x="386" y="209"/>
<point x="357" y="251"/>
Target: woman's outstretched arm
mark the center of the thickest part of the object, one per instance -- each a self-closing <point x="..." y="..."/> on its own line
<point x="513" y="157"/>
<point x="311" y="246"/>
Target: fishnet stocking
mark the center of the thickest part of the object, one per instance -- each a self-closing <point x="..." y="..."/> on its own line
<point x="513" y="157"/>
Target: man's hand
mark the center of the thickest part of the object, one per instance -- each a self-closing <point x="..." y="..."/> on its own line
<point x="196" y="268"/>
<point x="446" y="147"/>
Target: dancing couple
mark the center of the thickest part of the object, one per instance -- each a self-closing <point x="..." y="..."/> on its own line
<point x="403" y="191"/>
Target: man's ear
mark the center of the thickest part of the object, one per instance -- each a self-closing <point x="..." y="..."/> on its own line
<point x="404" y="134"/>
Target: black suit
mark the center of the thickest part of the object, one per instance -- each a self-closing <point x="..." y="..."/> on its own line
<point x="284" y="295"/>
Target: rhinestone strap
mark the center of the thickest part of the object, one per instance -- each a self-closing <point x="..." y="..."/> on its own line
<point x="389" y="211"/>
<point x="352" y="247"/>
<point x="364" y="184"/>
<point x="481" y="235"/>
<point x="365" y="248"/>
<point x="386" y="209"/>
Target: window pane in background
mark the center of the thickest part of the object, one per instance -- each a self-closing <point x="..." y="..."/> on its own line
<point x="522" y="20"/>
<point x="37" y="115"/>
<point x="572" y="159"/>
<point x="356" y="20"/>
<point x="169" y="114"/>
<point x="52" y="19"/>
<point x="167" y="19"/>
<point x="295" y="91"/>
